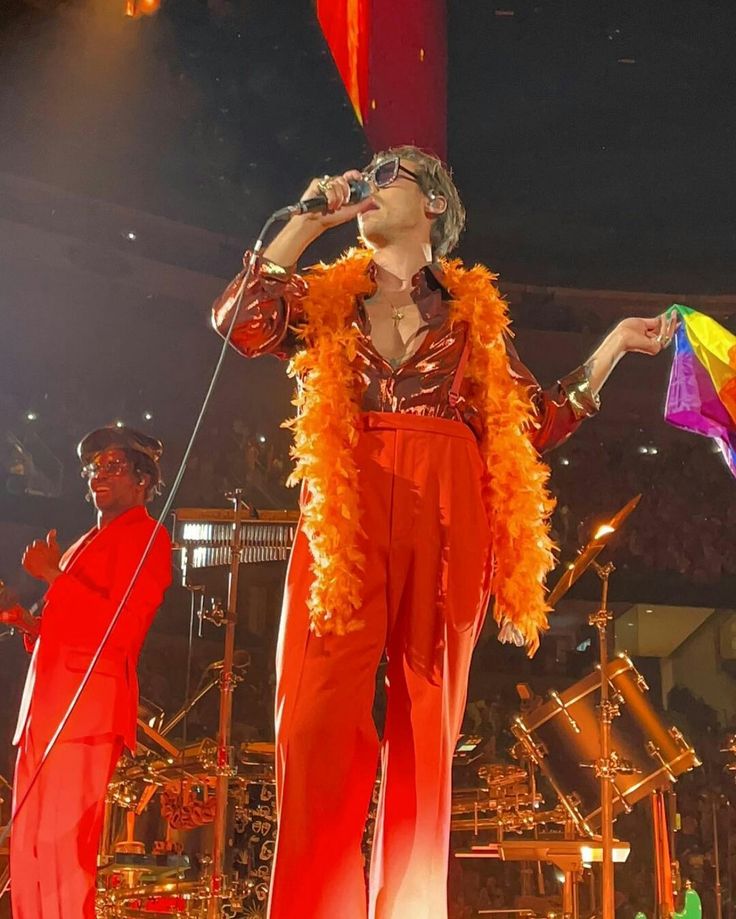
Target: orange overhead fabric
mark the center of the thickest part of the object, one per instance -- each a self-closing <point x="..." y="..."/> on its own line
<point x="345" y="24"/>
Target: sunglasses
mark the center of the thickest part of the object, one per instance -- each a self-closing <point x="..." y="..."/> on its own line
<point x="112" y="467"/>
<point x="387" y="171"/>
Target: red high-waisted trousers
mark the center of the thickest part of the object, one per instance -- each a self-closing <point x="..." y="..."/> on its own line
<point x="427" y="547"/>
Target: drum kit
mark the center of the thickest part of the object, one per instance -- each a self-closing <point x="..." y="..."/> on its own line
<point x="205" y="812"/>
<point x="601" y="748"/>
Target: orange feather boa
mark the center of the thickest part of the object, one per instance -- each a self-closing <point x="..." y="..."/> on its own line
<point x="327" y="427"/>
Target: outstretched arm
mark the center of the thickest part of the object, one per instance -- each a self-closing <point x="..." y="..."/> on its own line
<point x="560" y="409"/>
<point x="646" y="336"/>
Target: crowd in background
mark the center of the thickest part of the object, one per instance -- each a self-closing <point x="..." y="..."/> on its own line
<point x="683" y="529"/>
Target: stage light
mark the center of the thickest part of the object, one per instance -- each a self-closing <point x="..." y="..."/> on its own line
<point x="31" y="416"/>
<point x="147" y="416"/>
<point x="564" y="461"/>
<point x="642" y="450"/>
<point x="603" y="530"/>
<point x="262" y="438"/>
<point x="131" y="236"/>
<point x="653" y="451"/>
<point x="135" y="8"/>
<point x="119" y="424"/>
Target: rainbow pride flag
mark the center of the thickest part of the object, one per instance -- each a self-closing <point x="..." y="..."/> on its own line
<point x="701" y="396"/>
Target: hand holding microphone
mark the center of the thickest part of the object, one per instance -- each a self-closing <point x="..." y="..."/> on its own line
<point x="331" y="200"/>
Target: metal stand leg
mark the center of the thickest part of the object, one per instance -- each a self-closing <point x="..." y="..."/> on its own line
<point x="225" y="769"/>
<point x="716" y="857"/>
<point x="606" y="765"/>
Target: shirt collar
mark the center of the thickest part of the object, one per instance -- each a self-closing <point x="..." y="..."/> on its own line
<point x="427" y="290"/>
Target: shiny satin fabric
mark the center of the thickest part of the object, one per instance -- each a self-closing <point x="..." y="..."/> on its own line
<point x="271" y="314"/>
<point x="427" y="545"/>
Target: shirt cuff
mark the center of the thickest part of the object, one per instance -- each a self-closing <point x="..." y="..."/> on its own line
<point x="270" y="270"/>
<point x="583" y="401"/>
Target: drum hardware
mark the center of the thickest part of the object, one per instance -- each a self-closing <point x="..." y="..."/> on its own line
<point x="617" y="766"/>
<point x="675" y="733"/>
<point x="215" y="614"/>
<point x="563" y="708"/>
<point x="569" y="855"/>
<point x="618" y="693"/>
<point x="538" y="753"/>
<point x="607" y="767"/>
<point x="178" y="716"/>
<point x="654" y="751"/>
<point x="501" y="776"/>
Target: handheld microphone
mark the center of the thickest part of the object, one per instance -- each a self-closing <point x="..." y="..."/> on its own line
<point x="359" y="191"/>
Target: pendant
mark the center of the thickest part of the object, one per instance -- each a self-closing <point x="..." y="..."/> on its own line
<point x="397" y="315"/>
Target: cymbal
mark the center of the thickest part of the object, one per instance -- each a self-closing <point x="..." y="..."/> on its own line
<point x="587" y="555"/>
<point x="257" y="750"/>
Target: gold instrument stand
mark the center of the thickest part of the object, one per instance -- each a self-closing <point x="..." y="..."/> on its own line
<point x="607" y="765"/>
<point x="225" y="768"/>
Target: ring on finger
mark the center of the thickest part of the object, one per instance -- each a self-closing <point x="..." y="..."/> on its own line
<point x="324" y="183"/>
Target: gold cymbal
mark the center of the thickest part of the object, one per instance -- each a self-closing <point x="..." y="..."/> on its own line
<point x="587" y="555"/>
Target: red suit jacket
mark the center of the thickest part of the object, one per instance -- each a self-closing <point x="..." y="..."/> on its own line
<point x="77" y="610"/>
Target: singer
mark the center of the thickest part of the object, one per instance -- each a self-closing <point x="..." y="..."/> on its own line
<point x="56" y="829"/>
<point x="417" y="443"/>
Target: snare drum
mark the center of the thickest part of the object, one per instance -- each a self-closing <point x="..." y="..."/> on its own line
<point x="563" y="738"/>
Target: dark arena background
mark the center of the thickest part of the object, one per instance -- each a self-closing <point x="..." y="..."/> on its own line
<point x="142" y="145"/>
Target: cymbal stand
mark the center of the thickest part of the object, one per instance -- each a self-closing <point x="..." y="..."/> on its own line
<point x="606" y="766"/>
<point x="172" y="722"/>
<point x="225" y="768"/>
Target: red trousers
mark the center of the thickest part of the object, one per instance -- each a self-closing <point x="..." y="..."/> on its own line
<point x="427" y="546"/>
<point x="56" y="834"/>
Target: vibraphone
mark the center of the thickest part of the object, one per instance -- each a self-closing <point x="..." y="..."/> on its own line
<point x="204" y="537"/>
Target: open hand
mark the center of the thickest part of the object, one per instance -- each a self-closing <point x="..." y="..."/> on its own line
<point x="41" y="559"/>
<point x="647" y="335"/>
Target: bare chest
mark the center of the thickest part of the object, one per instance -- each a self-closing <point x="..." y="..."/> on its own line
<point x="397" y="328"/>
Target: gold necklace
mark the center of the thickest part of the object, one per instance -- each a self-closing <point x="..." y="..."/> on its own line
<point x="396" y="314"/>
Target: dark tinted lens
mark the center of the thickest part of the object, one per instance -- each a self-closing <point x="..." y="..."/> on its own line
<point x="386" y="172"/>
<point x="110" y="468"/>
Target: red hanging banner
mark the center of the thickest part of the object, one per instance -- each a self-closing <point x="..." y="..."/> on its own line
<point x="392" y="58"/>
